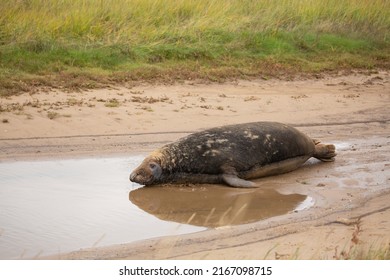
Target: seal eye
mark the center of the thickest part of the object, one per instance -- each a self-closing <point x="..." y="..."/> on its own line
<point x="155" y="170"/>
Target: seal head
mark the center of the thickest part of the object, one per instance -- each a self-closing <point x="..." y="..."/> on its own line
<point x="147" y="173"/>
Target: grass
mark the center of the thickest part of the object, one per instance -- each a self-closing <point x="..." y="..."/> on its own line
<point x="112" y="103"/>
<point x="89" y="43"/>
<point x="355" y="251"/>
<point x="52" y="115"/>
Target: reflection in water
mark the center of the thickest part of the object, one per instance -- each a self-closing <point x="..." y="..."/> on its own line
<point x="212" y="205"/>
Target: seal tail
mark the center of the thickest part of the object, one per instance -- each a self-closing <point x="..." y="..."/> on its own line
<point x="324" y="152"/>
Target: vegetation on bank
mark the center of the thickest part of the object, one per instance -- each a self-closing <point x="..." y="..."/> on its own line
<point x="87" y="43"/>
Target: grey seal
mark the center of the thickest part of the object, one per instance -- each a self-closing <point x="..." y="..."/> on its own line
<point x="232" y="155"/>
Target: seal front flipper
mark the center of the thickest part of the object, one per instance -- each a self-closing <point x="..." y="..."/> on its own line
<point x="234" y="181"/>
<point x="229" y="176"/>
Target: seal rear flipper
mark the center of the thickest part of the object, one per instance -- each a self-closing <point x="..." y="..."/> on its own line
<point x="234" y="181"/>
<point x="324" y="152"/>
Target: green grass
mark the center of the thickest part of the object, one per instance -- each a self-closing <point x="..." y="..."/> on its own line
<point x="88" y="43"/>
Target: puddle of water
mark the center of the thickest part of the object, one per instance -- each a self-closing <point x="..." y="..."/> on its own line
<point x="306" y="204"/>
<point x="213" y="206"/>
<point x="50" y="207"/>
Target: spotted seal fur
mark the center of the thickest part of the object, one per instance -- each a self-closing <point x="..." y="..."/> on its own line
<point x="231" y="154"/>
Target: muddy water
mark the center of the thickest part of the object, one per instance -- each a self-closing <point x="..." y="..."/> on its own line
<point x="50" y="207"/>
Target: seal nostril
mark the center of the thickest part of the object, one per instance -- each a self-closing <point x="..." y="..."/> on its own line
<point x="132" y="176"/>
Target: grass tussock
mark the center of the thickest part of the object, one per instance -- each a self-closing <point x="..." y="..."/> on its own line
<point x="119" y="40"/>
<point x="355" y="250"/>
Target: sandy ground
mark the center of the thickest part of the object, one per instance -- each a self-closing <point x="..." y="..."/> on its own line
<point x="351" y="214"/>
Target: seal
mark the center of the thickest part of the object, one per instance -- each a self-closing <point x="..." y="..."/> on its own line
<point x="231" y="155"/>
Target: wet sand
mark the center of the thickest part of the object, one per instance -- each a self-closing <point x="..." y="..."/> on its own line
<point x="351" y="211"/>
